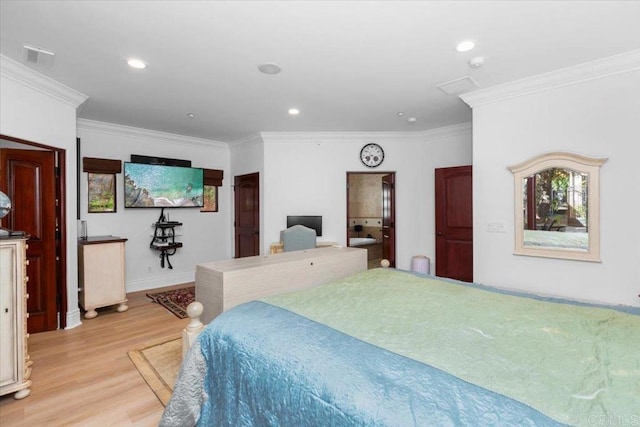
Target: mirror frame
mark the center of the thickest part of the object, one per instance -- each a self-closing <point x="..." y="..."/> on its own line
<point x="563" y="160"/>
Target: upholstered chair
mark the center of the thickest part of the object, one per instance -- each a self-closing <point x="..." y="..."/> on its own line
<point x="297" y="238"/>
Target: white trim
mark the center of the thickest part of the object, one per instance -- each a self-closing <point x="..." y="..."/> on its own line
<point x="248" y="141"/>
<point x="431" y="134"/>
<point x="459" y="129"/>
<point x="622" y="63"/>
<point x="306" y="137"/>
<point x="73" y="319"/>
<point x="163" y="137"/>
<point x="25" y="76"/>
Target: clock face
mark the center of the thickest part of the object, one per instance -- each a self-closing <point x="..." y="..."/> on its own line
<point x="371" y="155"/>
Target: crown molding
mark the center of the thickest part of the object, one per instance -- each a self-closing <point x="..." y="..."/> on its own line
<point x="163" y="137"/>
<point x="359" y="137"/>
<point x="302" y="137"/>
<point x="25" y="76"/>
<point x="460" y="129"/>
<point x="249" y="140"/>
<point x="612" y="65"/>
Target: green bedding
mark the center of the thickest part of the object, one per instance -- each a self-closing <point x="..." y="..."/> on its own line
<point x="579" y="365"/>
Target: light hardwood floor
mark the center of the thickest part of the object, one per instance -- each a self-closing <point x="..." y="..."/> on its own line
<point x="84" y="377"/>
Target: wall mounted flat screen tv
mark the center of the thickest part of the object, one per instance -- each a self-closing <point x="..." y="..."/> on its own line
<point x="159" y="186"/>
<point x="310" y="221"/>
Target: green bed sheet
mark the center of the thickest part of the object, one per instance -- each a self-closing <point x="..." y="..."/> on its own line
<point x="577" y="364"/>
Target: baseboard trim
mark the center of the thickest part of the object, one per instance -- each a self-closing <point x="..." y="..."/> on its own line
<point x="160" y="282"/>
<point x="73" y="319"/>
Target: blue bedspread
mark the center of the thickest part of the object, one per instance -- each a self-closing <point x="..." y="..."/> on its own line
<point x="268" y="366"/>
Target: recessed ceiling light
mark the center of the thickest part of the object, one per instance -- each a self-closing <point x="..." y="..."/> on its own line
<point x="294" y="111"/>
<point x="411" y="120"/>
<point x="191" y="115"/>
<point x="400" y="113"/>
<point x="269" y="68"/>
<point x="136" y="63"/>
<point x="465" y="46"/>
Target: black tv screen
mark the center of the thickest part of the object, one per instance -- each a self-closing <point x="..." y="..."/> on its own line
<point x="159" y="186"/>
<point x="310" y="221"/>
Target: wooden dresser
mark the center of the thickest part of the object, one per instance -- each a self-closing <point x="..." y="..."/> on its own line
<point x="15" y="364"/>
<point x="221" y="285"/>
<point x="102" y="277"/>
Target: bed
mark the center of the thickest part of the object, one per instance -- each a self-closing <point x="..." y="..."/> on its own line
<point x="389" y="347"/>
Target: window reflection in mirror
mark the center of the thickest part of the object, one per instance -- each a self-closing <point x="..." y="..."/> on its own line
<point x="557" y="207"/>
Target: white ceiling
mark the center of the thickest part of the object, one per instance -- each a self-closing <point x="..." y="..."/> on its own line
<point x="347" y="65"/>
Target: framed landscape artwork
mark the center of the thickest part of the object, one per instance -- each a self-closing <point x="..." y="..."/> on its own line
<point x="210" y="199"/>
<point x="102" y="192"/>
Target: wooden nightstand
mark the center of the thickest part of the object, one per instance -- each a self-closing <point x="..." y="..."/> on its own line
<point x="101" y="265"/>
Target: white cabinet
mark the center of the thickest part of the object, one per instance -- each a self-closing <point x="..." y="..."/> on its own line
<point x="221" y="285"/>
<point x="102" y="279"/>
<point x="15" y="364"/>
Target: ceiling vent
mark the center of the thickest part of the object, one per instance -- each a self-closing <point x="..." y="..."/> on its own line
<point x="458" y="86"/>
<point x="36" y="55"/>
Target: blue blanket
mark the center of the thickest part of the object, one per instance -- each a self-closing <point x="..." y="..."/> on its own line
<point x="268" y="366"/>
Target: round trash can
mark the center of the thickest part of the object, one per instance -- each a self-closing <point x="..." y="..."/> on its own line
<point x="421" y="264"/>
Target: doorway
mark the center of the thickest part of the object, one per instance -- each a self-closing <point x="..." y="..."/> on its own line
<point x="40" y="213"/>
<point x="247" y="215"/>
<point x="371" y="215"/>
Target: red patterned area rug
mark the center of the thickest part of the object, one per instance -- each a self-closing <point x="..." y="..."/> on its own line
<point x="175" y="301"/>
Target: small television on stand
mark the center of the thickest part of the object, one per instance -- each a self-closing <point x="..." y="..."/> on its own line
<point x="311" y="221"/>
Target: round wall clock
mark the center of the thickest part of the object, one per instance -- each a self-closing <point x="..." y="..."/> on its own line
<point x="372" y="155"/>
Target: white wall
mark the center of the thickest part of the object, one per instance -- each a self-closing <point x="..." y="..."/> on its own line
<point x="598" y="117"/>
<point x="37" y="109"/>
<point x="306" y="174"/>
<point x="247" y="157"/>
<point x="205" y="235"/>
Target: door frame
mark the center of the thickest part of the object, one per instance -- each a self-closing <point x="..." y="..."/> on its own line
<point x="393" y="207"/>
<point x="61" y="214"/>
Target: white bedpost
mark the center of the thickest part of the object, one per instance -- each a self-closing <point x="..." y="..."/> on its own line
<point x="195" y="326"/>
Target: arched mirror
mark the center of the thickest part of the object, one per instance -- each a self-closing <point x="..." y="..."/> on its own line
<point x="557" y="207"/>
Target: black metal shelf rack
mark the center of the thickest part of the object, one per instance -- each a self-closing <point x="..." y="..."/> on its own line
<point x="164" y="239"/>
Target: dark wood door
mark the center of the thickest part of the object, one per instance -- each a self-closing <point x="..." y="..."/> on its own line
<point x="389" y="218"/>
<point x="454" y="223"/>
<point x="30" y="181"/>
<point x="247" y="214"/>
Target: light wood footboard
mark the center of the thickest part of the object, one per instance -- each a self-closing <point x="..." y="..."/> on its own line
<point x="221" y="285"/>
<point x="195" y="309"/>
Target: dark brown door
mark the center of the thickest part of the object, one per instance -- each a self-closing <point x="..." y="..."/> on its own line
<point x="454" y="223"/>
<point x="389" y="218"/>
<point x="30" y="180"/>
<point x="247" y="214"/>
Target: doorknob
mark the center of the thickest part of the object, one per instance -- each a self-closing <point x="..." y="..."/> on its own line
<point x="439" y="233"/>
